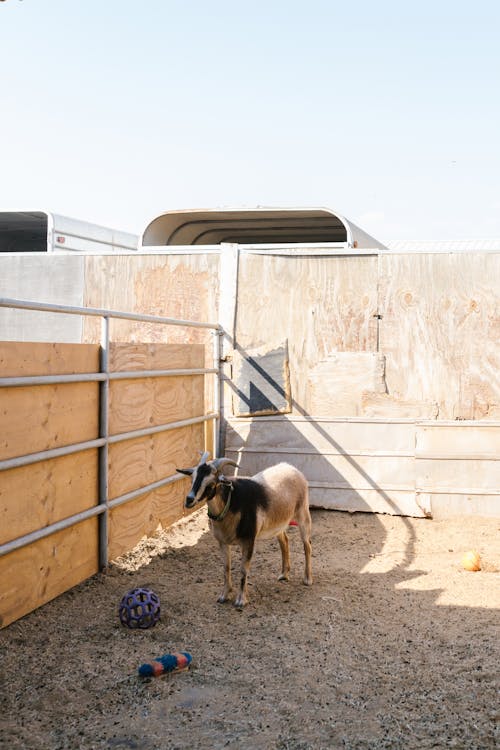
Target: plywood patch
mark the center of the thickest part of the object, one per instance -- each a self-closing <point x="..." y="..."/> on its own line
<point x="262" y="382"/>
<point x="384" y="405"/>
<point x="337" y="383"/>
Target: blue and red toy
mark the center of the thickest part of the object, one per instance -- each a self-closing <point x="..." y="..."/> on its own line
<point x="177" y="662"/>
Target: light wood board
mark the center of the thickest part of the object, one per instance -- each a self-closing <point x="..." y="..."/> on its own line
<point x="33" y="575"/>
<point x="35" y="496"/>
<point x="440" y="331"/>
<point x="38" y="418"/>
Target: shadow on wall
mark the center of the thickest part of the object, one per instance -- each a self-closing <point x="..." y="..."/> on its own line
<point x="312" y="445"/>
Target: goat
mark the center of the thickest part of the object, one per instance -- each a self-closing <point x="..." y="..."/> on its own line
<point x="243" y="509"/>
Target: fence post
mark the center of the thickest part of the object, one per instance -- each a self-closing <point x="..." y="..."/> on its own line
<point x="218" y="391"/>
<point x="103" y="451"/>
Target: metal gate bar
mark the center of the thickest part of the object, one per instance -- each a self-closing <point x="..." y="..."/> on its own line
<point x="104" y="440"/>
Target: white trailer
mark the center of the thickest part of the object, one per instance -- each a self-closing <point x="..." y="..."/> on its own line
<point x="46" y="232"/>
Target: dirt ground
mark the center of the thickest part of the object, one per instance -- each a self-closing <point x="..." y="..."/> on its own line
<point x="394" y="646"/>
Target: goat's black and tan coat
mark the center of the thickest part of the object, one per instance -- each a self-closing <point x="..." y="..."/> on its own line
<point x="244" y="509"/>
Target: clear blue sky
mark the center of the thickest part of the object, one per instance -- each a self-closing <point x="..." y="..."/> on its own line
<point x="389" y="112"/>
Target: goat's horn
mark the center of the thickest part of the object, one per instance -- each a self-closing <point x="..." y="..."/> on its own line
<point x="204" y="455"/>
<point x="219" y="463"/>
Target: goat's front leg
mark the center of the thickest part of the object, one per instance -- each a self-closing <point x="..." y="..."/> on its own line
<point x="226" y="560"/>
<point x="246" y="558"/>
<point x="285" y="556"/>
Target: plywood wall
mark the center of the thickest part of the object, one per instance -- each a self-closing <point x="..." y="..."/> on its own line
<point x="440" y="332"/>
<point x="396" y="466"/>
<point x="37" y="418"/>
<point x="458" y="467"/>
<point x="323" y="308"/>
<point x="174" y="286"/>
<point x="355" y="465"/>
<point x="149" y="402"/>
<point x="411" y="336"/>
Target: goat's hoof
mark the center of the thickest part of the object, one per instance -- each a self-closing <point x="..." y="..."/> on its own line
<point x="222" y="599"/>
<point x="307" y="581"/>
<point x="283" y="577"/>
<point x="239" y="604"/>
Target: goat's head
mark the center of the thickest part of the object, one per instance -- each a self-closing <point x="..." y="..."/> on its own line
<point x="204" y="479"/>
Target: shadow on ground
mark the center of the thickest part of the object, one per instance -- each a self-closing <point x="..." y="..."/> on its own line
<point x="394" y="646"/>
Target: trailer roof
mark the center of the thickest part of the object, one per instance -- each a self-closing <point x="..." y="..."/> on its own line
<point x="250" y="226"/>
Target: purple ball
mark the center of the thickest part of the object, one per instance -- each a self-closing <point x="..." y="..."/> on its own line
<point x="140" y="608"/>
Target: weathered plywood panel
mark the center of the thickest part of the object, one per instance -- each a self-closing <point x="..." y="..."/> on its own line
<point x="33" y="575"/>
<point x="448" y="505"/>
<point x="459" y="440"/>
<point x="321" y="436"/>
<point x="338" y="471"/>
<point x="141" y="461"/>
<point x="148" y="402"/>
<point x="393" y="502"/>
<point x="35" y="496"/>
<point x="440" y="331"/>
<point x="353" y="465"/>
<point x="337" y="384"/>
<point x="384" y="405"/>
<point x="130" y="357"/>
<point x="261" y="381"/>
<point x="320" y="305"/>
<point x="38" y="418"/>
<point x="21" y="359"/>
<point x="473" y="476"/>
<point x="458" y="466"/>
<point x="131" y="522"/>
<point x="175" y="286"/>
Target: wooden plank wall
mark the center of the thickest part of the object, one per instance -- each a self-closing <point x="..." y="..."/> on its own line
<point x="433" y="353"/>
<point x="458" y="467"/>
<point x="395" y="466"/>
<point x="176" y="286"/>
<point x="397" y="339"/>
<point x="440" y="334"/>
<point x="148" y="402"/>
<point x="355" y="465"/>
<point x="37" y="418"/>
<point x="323" y="307"/>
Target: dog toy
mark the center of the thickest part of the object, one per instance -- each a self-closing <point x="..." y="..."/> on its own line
<point x="140" y="608"/>
<point x="177" y="662"/>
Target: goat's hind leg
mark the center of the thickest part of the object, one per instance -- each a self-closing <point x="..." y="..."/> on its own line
<point x="226" y="559"/>
<point x="304" y="523"/>
<point x="285" y="556"/>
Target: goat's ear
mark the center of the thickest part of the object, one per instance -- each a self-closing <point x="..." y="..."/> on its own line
<point x="188" y="472"/>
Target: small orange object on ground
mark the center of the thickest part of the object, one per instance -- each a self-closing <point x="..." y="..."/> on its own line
<point x="471" y="561"/>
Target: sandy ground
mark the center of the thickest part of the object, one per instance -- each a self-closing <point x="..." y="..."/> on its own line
<point x="394" y="646"/>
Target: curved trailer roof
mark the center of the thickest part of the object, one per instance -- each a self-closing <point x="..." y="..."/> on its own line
<point x="255" y="226"/>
